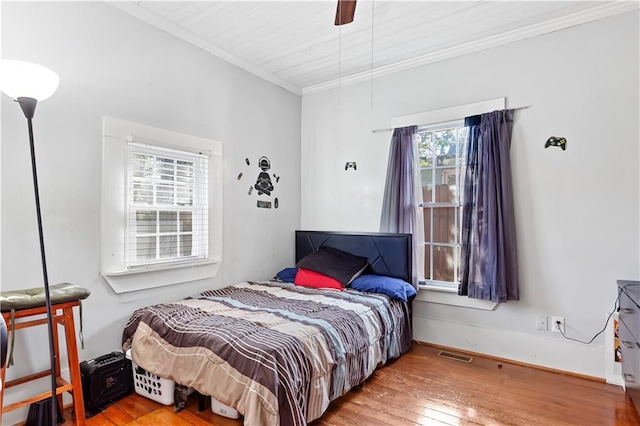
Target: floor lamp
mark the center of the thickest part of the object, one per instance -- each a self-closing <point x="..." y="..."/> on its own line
<point x="28" y="84"/>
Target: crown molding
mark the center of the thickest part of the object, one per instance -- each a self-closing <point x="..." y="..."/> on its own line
<point x="568" y="21"/>
<point x="593" y="14"/>
<point x="134" y="9"/>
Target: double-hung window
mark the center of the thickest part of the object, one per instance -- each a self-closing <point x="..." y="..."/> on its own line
<point x="161" y="208"/>
<point x="167" y="206"/>
<point x="441" y="161"/>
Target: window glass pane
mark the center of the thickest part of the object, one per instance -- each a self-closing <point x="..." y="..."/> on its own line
<point x="445" y="193"/>
<point x="426" y="214"/>
<point x="444" y="146"/>
<point x="143" y="165"/>
<point x="168" y="246"/>
<point x="168" y="221"/>
<point x="425" y="150"/>
<point x="446" y="185"/>
<point x="185" y="222"/>
<point x="184" y="196"/>
<point x="443" y="263"/>
<point x="166" y="168"/>
<point x="427" y="262"/>
<point x="185" y="245"/>
<point x="145" y="248"/>
<point x="461" y="186"/>
<point x="145" y="222"/>
<point x="142" y="193"/>
<point x="444" y="225"/>
<point x="164" y="195"/>
<point x="426" y="176"/>
<point x="185" y="171"/>
<point x="462" y="143"/>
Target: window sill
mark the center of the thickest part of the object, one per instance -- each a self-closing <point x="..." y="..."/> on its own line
<point x="160" y="275"/>
<point x="161" y="267"/>
<point x="449" y="296"/>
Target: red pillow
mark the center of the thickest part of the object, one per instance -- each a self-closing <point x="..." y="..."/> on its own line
<point x="307" y="278"/>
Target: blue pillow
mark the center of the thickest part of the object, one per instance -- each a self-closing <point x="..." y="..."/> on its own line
<point x="288" y="275"/>
<point x="392" y="287"/>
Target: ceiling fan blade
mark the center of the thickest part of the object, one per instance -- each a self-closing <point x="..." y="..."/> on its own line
<point x="345" y="11"/>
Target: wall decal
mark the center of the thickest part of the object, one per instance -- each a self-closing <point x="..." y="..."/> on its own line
<point x="556" y="141"/>
<point x="263" y="184"/>
<point x="350" y="165"/>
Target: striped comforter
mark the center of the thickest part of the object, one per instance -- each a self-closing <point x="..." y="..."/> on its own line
<point x="275" y="352"/>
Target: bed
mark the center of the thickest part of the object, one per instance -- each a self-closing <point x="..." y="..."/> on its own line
<point x="279" y="353"/>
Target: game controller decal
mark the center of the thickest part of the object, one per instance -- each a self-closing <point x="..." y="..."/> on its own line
<point x="350" y="165"/>
<point x="556" y="141"/>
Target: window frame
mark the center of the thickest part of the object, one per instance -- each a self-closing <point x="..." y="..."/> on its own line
<point x="431" y="283"/>
<point x="115" y="136"/>
<point x="199" y="208"/>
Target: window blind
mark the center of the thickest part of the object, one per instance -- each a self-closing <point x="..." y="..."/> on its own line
<point x="167" y="205"/>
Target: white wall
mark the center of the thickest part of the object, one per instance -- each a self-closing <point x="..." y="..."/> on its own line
<point x="112" y="64"/>
<point x="577" y="211"/>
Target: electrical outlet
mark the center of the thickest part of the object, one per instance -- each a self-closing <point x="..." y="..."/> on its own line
<point x="557" y="324"/>
<point x="542" y="322"/>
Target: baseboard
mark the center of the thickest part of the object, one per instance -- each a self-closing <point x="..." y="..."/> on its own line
<point x="510" y="361"/>
<point x="542" y="352"/>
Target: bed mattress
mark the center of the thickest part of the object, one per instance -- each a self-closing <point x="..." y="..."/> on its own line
<point x="275" y="352"/>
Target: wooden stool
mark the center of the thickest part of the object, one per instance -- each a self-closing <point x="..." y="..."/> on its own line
<point x="63" y="298"/>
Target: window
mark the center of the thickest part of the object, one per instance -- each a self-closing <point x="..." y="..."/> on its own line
<point x="441" y="157"/>
<point x="161" y="207"/>
<point x="167" y="203"/>
<point x="442" y="153"/>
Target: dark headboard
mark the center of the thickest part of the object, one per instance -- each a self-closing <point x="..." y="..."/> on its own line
<point x="388" y="254"/>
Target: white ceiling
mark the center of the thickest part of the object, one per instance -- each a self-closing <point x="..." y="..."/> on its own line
<point x="294" y="44"/>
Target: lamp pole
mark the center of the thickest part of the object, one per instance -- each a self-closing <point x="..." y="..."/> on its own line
<point x="28" y="106"/>
<point x="27" y="83"/>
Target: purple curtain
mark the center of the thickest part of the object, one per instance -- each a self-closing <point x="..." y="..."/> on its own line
<point x="399" y="202"/>
<point x="489" y="264"/>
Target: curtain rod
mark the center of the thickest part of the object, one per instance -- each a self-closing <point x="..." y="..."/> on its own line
<point x="391" y="130"/>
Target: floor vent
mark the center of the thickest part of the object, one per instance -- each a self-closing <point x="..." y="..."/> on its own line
<point x="455" y="357"/>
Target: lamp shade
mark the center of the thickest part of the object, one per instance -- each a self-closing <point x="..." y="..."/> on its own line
<point x="28" y="80"/>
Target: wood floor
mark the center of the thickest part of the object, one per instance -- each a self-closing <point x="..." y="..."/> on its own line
<point x="423" y="389"/>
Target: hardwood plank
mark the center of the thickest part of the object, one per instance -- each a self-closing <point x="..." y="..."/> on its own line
<point x="466" y="403"/>
<point x="408" y="408"/>
<point x="117" y="415"/>
<point x="97" y="420"/>
<point x="160" y="417"/>
<point x="423" y="389"/>
<point x="136" y="405"/>
<point x="194" y="419"/>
